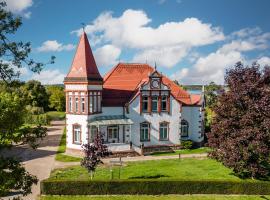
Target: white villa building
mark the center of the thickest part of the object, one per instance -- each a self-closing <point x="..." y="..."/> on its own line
<point x="132" y="105"/>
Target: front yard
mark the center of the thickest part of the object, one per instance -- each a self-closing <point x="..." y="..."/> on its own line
<point x="187" y="169"/>
<point x="183" y="151"/>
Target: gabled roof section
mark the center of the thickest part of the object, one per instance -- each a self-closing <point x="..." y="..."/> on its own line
<point x="122" y="83"/>
<point x="83" y="67"/>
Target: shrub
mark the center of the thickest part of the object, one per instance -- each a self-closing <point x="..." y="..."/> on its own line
<point x="41" y="119"/>
<point x="150" y="187"/>
<point x="186" y="144"/>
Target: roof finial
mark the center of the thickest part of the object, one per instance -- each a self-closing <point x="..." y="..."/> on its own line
<point x="83" y="26"/>
<point x="155" y="66"/>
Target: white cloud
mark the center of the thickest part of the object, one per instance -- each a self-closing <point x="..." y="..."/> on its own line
<point x="163" y="57"/>
<point x="132" y="30"/>
<point x="264" y="61"/>
<point x="53" y="45"/>
<point x="49" y="77"/>
<point x="161" y="1"/>
<point x="107" y="55"/>
<point x="19" y="7"/>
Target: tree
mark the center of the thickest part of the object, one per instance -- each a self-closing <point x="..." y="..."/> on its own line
<point x="240" y="135"/>
<point x="57" y="98"/>
<point x="14" y="55"/>
<point x="93" y="154"/>
<point x="35" y="94"/>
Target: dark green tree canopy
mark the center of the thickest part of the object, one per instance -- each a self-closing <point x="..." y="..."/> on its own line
<point x="240" y="134"/>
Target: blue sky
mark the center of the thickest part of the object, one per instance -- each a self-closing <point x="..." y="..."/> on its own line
<point x="191" y="41"/>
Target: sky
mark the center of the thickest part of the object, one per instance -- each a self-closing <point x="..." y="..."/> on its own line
<point x="191" y="41"/>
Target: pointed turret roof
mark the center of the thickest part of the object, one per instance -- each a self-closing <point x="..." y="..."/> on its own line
<point x="83" y="67"/>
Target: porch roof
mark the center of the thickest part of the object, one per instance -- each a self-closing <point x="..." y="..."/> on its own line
<point x="110" y="120"/>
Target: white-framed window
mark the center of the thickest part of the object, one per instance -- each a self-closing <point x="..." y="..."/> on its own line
<point x="70" y="104"/>
<point x="113" y="133"/>
<point x="164" y="131"/>
<point x="76" y="104"/>
<point x="76" y="134"/>
<point x="99" y="102"/>
<point x="83" y="104"/>
<point x="145" y="103"/>
<point x="164" y="103"/>
<point x="154" y="103"/>
<point x="144" y="131"/>
<point x="184" y="128"/>
<point x="93" y="133"/>
<point x="95" y="103"/>
<point x="91" y="102"/>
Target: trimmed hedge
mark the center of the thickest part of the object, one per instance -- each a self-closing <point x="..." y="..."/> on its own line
<point x="153" y="187"/>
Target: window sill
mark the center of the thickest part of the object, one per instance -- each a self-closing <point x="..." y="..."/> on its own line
<point x="77" y="143"/>
<point x="164" y="139"/>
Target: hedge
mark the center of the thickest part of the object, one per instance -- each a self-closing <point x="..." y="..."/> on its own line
<point x="153" y="187"/>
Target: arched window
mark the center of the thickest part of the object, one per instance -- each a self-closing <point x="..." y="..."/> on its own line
<point x="184" y="128"/>
<point x="145" y="131"/>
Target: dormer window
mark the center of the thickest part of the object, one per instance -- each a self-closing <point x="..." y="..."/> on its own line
<point x="154" y="103"/>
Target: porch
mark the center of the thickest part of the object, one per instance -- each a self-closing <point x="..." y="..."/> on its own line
<point x="115" y="130"/>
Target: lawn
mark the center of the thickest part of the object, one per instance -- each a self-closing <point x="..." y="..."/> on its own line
<point x="161" y="197"/>
<point x="55" y="115"/>
<point x="186" y="169"/>
<point x="60" y="156"/>
<point x="183" y="151"/>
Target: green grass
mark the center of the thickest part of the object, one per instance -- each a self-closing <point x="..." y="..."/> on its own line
<point x="60" y="156"/>
<point x="55" y="115"/>
<point x="161" y="197"/>
<point x="187" y="169"/>
<point x="183" y="151"/>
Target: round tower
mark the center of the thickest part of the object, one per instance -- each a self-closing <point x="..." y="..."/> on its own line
<point x="83" y="87"/>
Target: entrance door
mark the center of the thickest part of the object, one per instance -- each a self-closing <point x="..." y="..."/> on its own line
<point x="113" y="134"/>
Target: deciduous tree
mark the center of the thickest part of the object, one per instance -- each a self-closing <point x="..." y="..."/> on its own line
<point x="240" y="135"/>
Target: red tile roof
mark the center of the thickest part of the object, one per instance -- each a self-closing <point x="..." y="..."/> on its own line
<point x="84" y="65"/>
<point x="121" y="84"/>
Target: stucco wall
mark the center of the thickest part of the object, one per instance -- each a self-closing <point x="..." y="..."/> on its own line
<point x="194" y="116"/>
<point x="173" y="118"/>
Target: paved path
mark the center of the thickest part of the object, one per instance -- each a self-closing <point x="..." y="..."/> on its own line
<point x="40" y="162"/>
<point x="133" y="159"/>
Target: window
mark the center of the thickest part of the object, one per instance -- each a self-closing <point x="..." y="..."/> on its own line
<point x="91" y="102"/>
<point x="93" y="132"/>
<point x="83" y="104"/>
<point x="70" y="104"/>
<point x="184" y="128"/>
<point x="113" y="135"/>
<point x="76" y="104"/>
<point x="154" y="104"/>
<point x="163" y="131"/>
<point x="76" y="134"/>
<point x="144" y="103"/>
<point x="95" y="103"/>
<point x="164" y="103"/>
<point x="145" y="132"/>
<point x="99" y="103"/>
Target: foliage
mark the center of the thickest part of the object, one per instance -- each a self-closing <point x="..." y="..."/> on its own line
<point x="156" y="197"/>
<point x="240" y="135"/>
<point x="57" y="98"/>
<point x="41" y="119"/>
<point x="211" y="94"/>
<point x="14" y="55"/>
<point x="54" y="115"/>
<point x="186" y="169"/>
<point x="35" y="94"/>
<point x="60" y="156"/>
<point x="93" y="153"/>
<point x="18" y="178"/>
<point x="153" y="187"/>
<point x="186" y="144"/>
